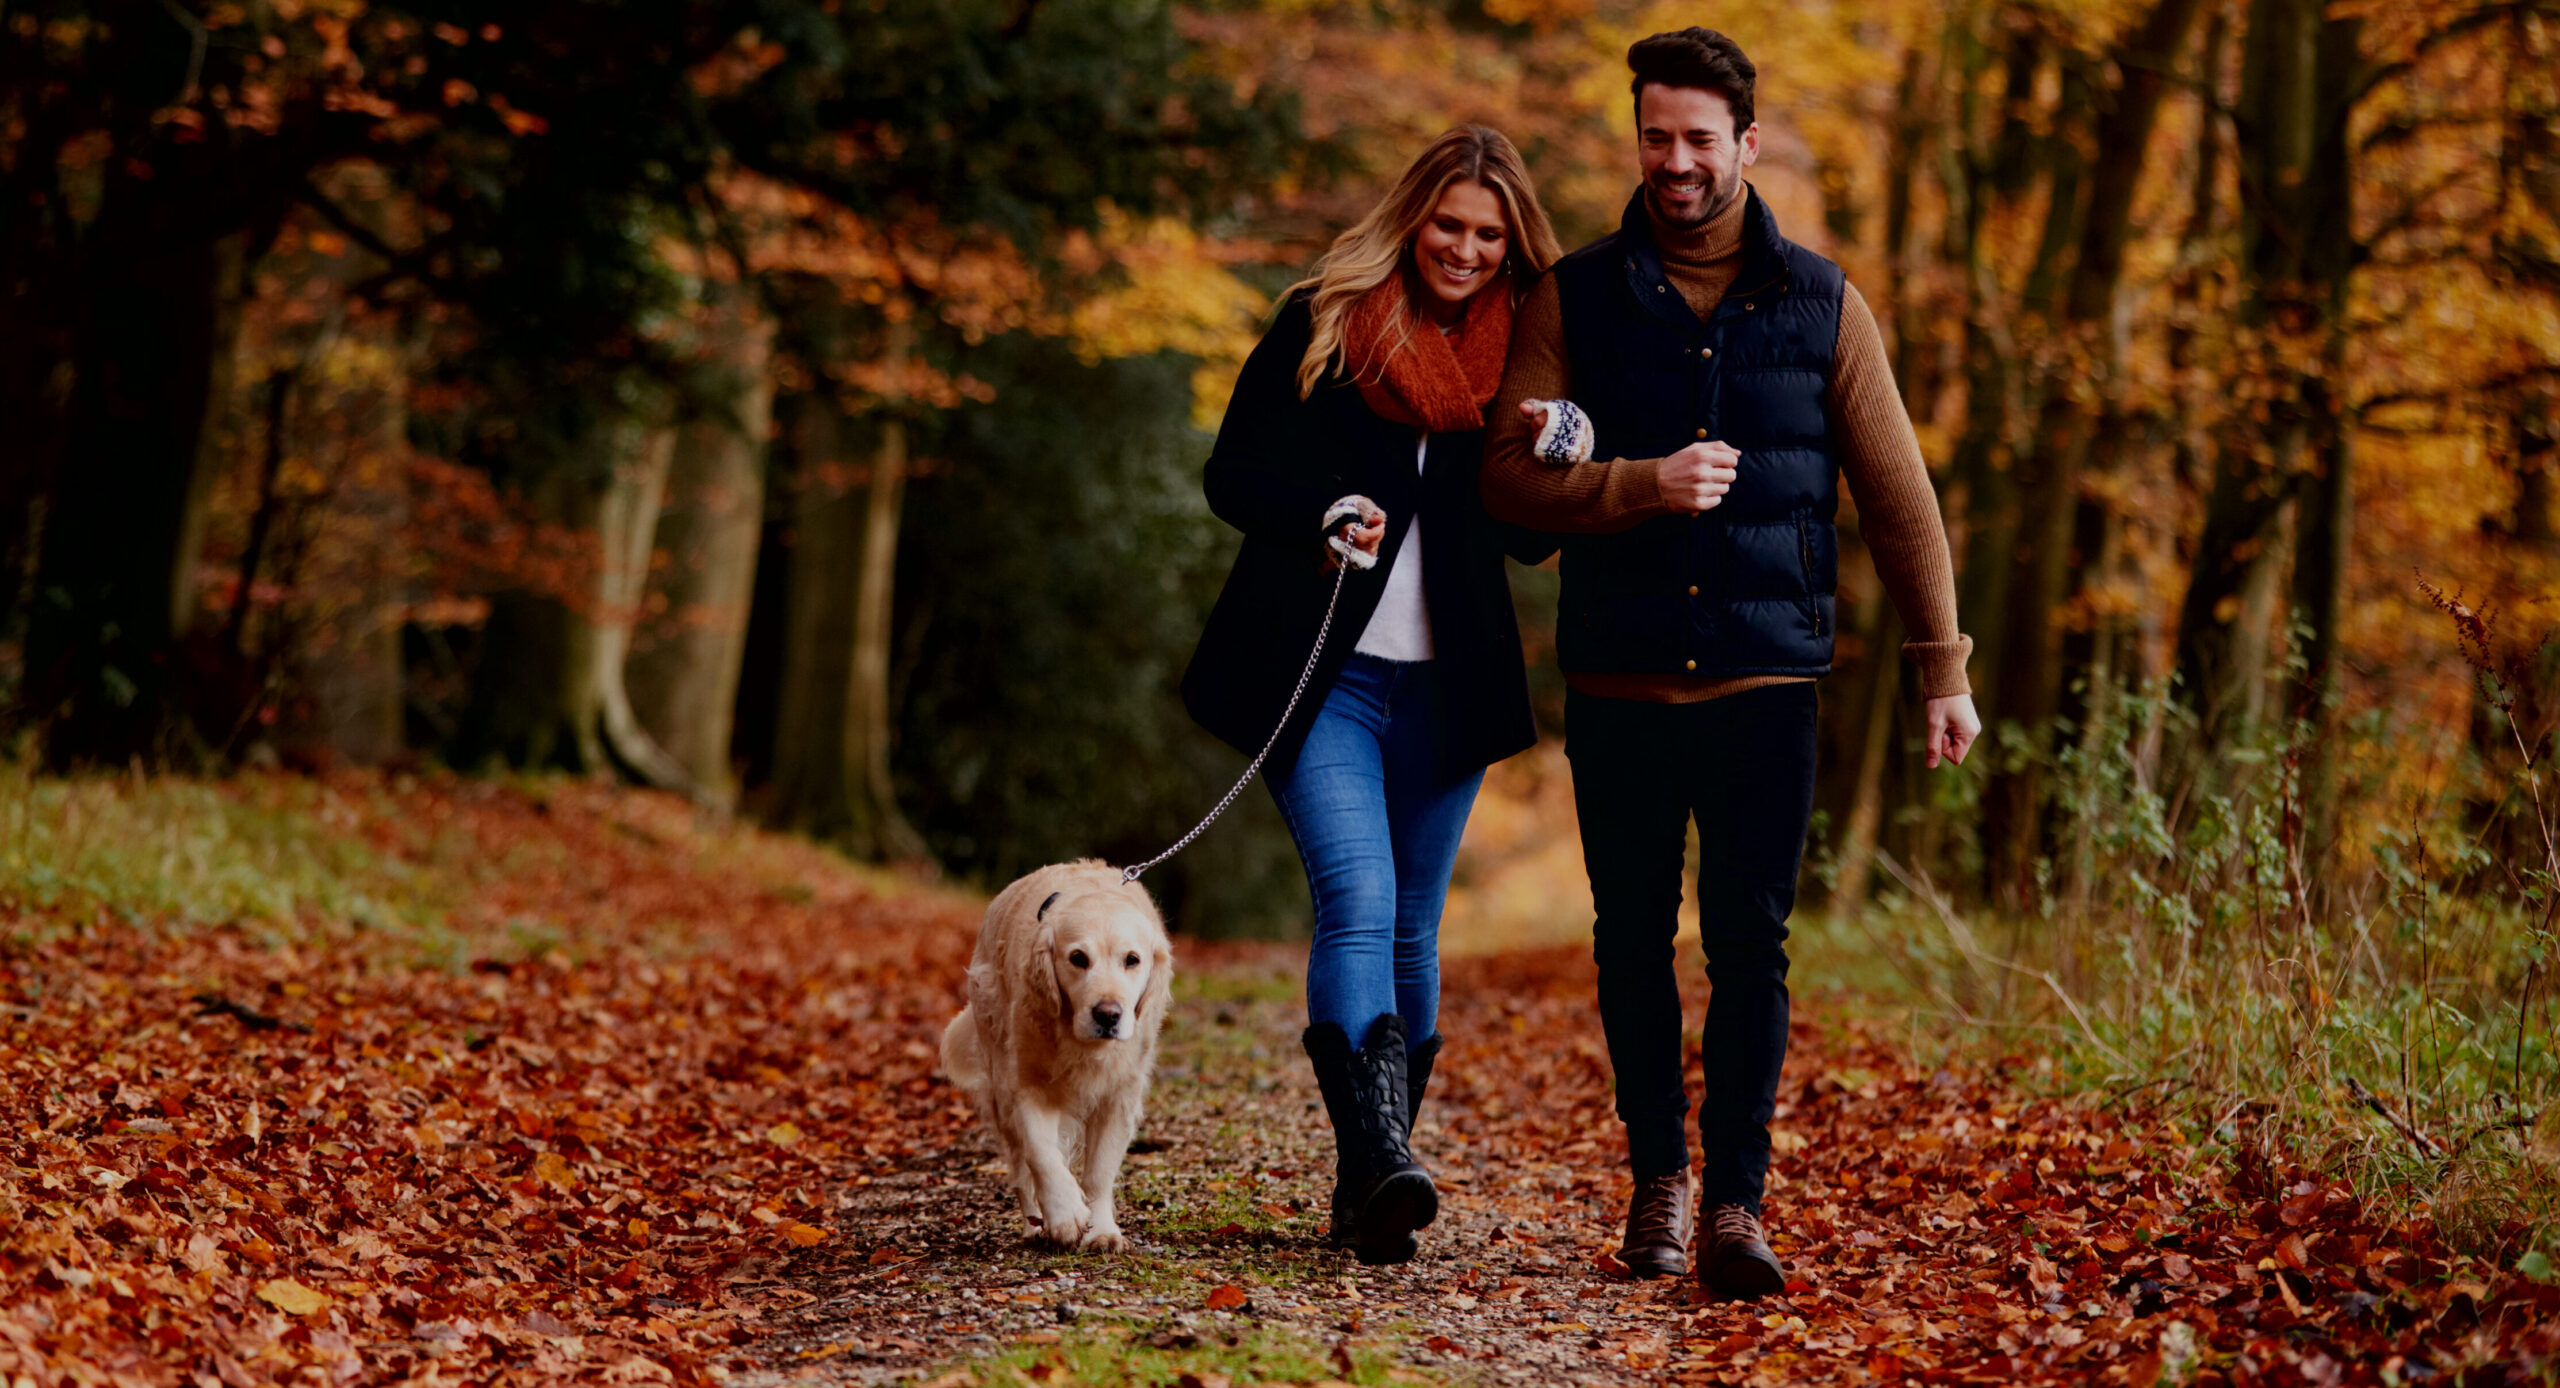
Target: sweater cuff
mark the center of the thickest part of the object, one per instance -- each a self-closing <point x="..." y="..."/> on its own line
<point x="1635" y="489"/>
<point x="1941" y="666"/>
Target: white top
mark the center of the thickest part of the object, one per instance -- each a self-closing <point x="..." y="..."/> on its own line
<point x="1401" y="627"/>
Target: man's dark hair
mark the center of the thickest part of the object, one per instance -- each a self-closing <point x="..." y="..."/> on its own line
<point x="1694" y="57"/>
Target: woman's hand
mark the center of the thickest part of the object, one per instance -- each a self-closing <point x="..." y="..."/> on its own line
<point x="1365" y="537"/>
<point x="1953" y="725"/>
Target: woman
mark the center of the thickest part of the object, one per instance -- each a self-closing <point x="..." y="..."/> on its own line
<point x="1371" y="387"/>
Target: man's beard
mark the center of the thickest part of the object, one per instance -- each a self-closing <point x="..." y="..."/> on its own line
<point x="1714" y="197"/>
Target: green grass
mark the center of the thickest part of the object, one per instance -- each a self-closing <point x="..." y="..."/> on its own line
<point x="1241" y="985"/>
<point x="1145" y="1355"/>
<point x="1209" y="1206"/>
<point x="269" y="855"/>
<point x="287" y="859"/>
<point x="2382" y="1015"/>
<point x="2255" y="1046"/>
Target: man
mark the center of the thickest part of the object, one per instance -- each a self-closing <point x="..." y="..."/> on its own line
<point x="1732" y="377"/>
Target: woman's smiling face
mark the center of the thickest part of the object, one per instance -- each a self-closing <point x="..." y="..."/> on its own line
<point x="1460" y="246"/>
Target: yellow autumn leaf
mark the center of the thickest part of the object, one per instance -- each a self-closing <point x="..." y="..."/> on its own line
<point x="551" y="1169"/>
<point x="293" y="1298"/>
<point x="783" y="1134"/>
<point x="803" y="1234"/>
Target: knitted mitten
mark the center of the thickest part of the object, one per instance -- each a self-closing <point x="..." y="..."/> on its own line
<point x="1566" y="437"/>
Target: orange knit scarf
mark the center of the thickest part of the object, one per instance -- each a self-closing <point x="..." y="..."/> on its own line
<point x="1439" y="381"/>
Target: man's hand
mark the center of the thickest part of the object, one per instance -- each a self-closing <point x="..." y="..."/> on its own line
<point x="1695" y="479"/>
<point x="1953" y="725"/>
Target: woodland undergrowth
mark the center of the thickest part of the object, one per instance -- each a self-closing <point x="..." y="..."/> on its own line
<point x="284" y="858"/>
<point x="2365" y="991"/>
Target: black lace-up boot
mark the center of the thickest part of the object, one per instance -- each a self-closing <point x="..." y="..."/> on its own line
<point x="1380" y="1195"/>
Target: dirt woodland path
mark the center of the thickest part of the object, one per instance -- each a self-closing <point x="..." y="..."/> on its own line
<point x="688" y="1132"/>
<point x="1936" y="1230"/>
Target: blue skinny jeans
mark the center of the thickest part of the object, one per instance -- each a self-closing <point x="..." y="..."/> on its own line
<point x="1377" y="823"/>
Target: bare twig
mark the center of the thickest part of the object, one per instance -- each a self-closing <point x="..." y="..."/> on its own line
<point x="886" y="1270"/>
<point x="2369" y="1099"/>
<point x="215" y="1004"/>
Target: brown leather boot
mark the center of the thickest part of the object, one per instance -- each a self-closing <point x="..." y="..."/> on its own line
<point x="1733" y="1255"/>
<point x="1658" y="1226"/>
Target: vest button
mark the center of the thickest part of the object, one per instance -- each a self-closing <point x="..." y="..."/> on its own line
<point x="1706" y="352"/>
<point x="1693" y="590"/>
<point x="1693" y="665"/>
<point x="1702" y="433"/>
<point x="1748" y="307"/>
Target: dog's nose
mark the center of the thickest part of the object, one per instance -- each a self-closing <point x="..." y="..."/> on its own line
<point x="1106" y="1018"/>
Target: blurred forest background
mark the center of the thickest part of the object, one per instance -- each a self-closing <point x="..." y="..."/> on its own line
<point x="799" y="405"/>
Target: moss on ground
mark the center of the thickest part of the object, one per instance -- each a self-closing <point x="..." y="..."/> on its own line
<point x="1237" y="1352"/>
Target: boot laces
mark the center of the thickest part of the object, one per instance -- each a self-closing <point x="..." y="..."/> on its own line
<point x="1735" y="1224"/>
<point x="1657" y="1206"/>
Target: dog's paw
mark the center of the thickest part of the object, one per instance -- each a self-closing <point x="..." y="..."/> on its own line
<point x="1062" y="1231"/>
<point x="1103" y="1238"/>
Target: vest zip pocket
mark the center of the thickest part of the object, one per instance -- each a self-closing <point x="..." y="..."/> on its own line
<point x="1804" y="560"/>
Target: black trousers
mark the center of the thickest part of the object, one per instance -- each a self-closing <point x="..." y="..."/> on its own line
<point x="1742" y="764"/>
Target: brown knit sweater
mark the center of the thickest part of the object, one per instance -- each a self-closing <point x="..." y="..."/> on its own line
<point x="1897" y="508"/>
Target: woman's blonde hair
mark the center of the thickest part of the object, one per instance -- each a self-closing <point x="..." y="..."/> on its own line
<point x="1377" y="246"/>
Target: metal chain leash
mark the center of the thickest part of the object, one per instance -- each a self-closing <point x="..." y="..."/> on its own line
<point x="1342" y="575"/>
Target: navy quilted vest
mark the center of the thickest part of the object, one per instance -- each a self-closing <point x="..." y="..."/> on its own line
<point x="1745" y="589"/>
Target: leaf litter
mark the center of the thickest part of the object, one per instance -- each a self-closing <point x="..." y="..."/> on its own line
<point x="692" y="1134"/>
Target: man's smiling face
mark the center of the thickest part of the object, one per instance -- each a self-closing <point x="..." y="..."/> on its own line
<point x="1692" y="156"/>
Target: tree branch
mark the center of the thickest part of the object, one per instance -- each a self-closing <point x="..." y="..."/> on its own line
<point x="409" y="264"/>
<point x="2504" y="380"/>
<point x="2407" y="214"/>
<point x="2375" y="75"/>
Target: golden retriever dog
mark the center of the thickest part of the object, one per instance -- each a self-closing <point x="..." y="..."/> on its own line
<point x="1067" y="991"/>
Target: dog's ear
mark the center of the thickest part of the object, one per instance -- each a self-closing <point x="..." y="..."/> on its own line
<point x="1036" y="975"/>
<point x="1159" y="990"/>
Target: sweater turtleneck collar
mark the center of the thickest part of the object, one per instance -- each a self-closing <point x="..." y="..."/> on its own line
<point x="1719" y="238"/>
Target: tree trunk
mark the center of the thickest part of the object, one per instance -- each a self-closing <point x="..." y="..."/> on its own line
<point x="1910" y="128"/>
<point x="534" y="701"/>
<point x="115" y="580"/>
<point x="2029" y="674"/>
<point x="548" y="689"/>
<point x="357" y="678"/>
<point x="878" y="828"/>
<point x="1981" y="464"/>
<point x="810" y="792"/>
<point x="2325" y="519"/>
<point x="2296" y="71"/>
<point x="626" y="524"/>
<point x="684" y="683"/>
<point x="831" y="740"/>
<point x="2537" y="455"/>
<point x="2323" y="527"/>
<point x="35" y="377"/>
<point x="1874" y="724"/>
